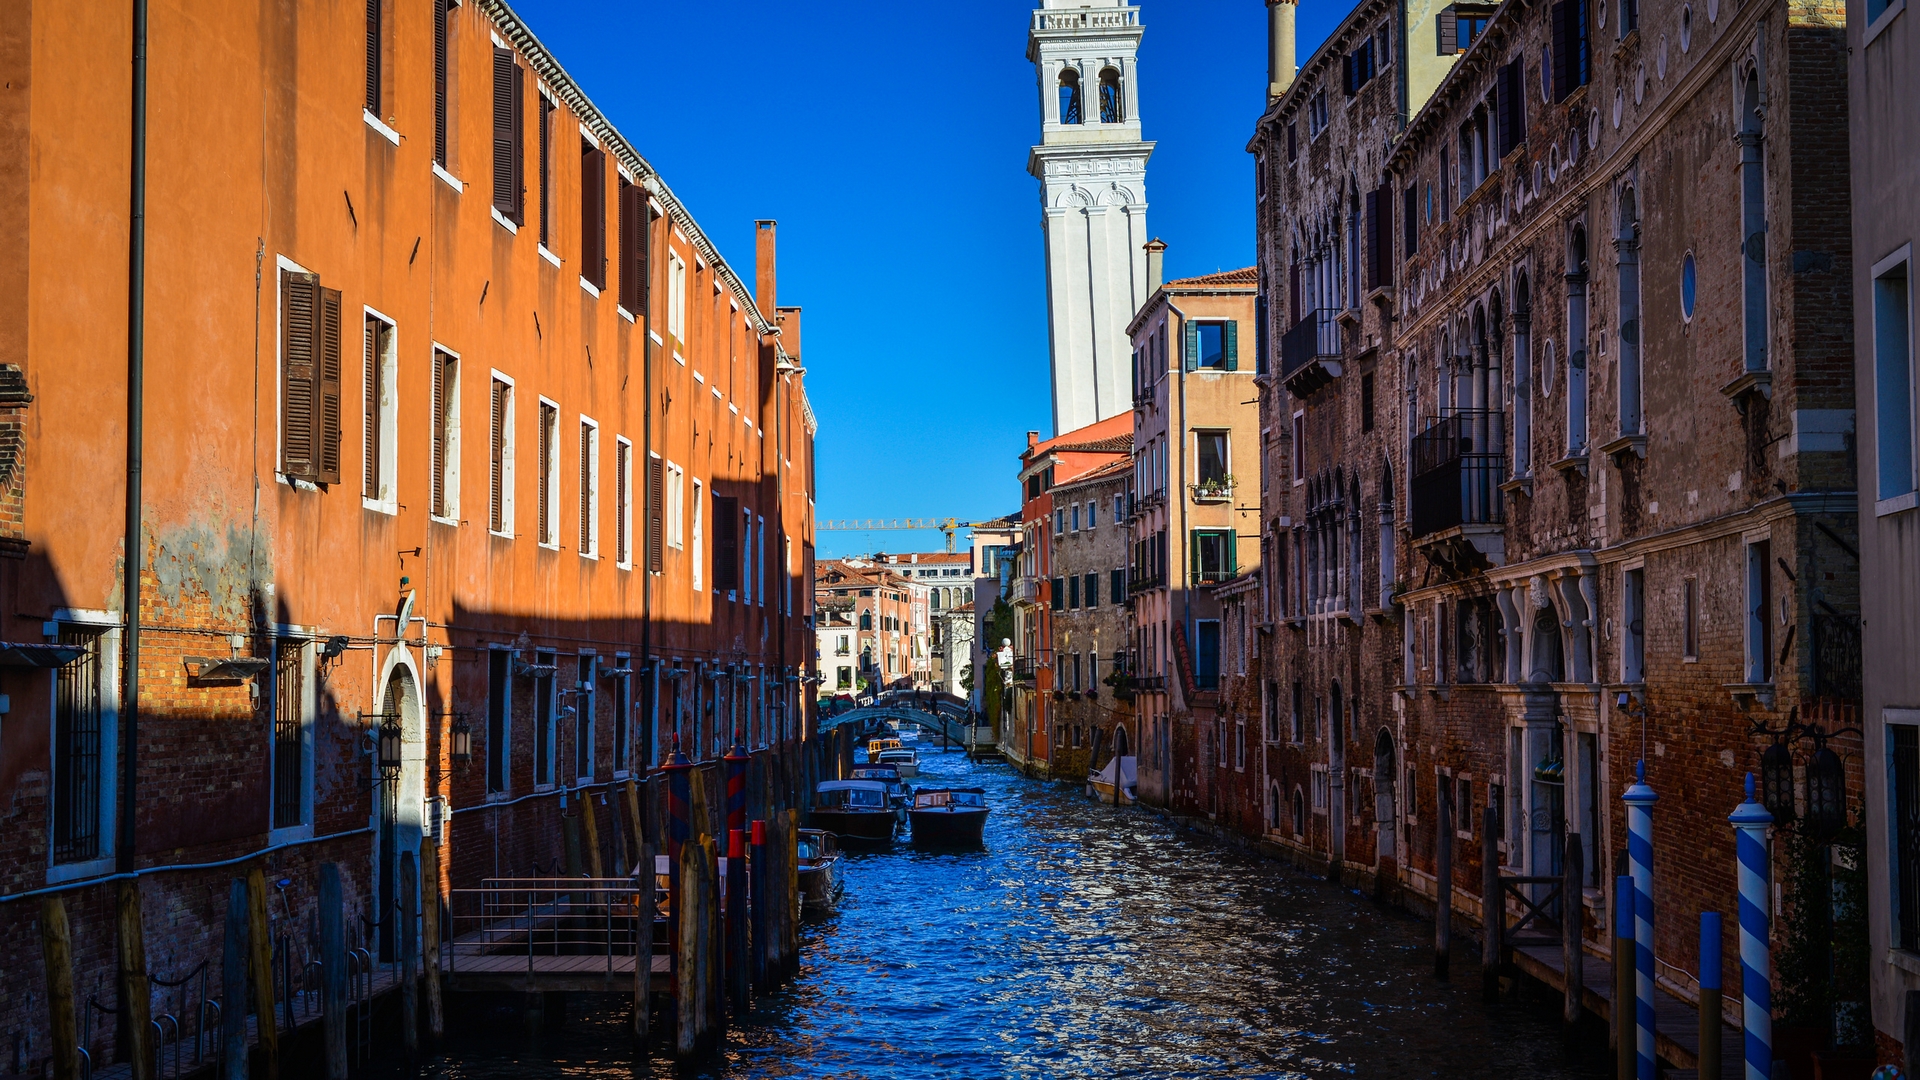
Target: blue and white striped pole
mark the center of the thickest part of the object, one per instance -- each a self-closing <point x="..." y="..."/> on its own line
<point x="1751" y="822"/>
<point x="1639" y="799"/>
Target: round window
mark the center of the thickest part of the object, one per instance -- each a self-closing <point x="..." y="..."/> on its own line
<point x="1688" y="286"/>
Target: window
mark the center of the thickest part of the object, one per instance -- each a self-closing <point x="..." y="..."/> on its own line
<point x="1293" y="140"/>
<point x="547" y="485"/>
<point x="545" y="710"/>
<point x="1463" y="807"/>
<point x="499" y="718"/>
<point x="1753" y="222"/>
<point x="1627" y="266"/>
<point x="636" y="234"/>
<point x="1240" y="745"/>
<point x="1116" y="586"/>
<point x="443" y="498"/>
<point x="1903" y="752"/>
<point x="380" y="413"/>
<point x="1213" y="555"/>
<point x="1073" y="593"/>
<point x="440" y="14"/>
<point x="375" y="49"/>
<point x="843" y="679"/>
<point x="593" y="215"/>
<point x="1093" y="513"/>
<point x="622" y="711"/>
<point x="1090" y="592"/>
<point x="1690" y="619"/>
<point x="1366" y="402"/>
<point x="509" y="202"/>
<point x="1759" y="611"/>
<point x="1893" y="376"/>
<point x="726" y="545"/>
<point x="500" y="458"/>
<point x="1629" y="17"/>
<point x="547" y="108"/>
<point x="1299" y="447"/>
<point x="674" y="498"/>
<point x="1317" y="114"/>
<point x="1510" y="105"/>
<point x="1206" y="653"/>
<point x="589" y="488"/>
<point x="622" y="501"/>
<point x="1210" y="456"/>
<point x="309" y="378"/>
<point x="1577" y="343"/>
<point x="1075" y="517"/>
<point x="1410" y="221"/>
<point x="698" y="547"/>
<point x="1633" y="615"/>
<point x="1112" y="108"/>
<point x="676" y="296"/>
<point x="1358" y="67"/>
<point x="1572" y="54"/>
<point x="1059" y="521"/>
<point x="1320" y="791"/>
<point x="82" y="758"/>
<point x="1070" y="112"/>
<point x="291" y="768"/>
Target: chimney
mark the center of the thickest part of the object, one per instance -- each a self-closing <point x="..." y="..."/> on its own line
<point x="1280" y="67"/>
<point x="1033" y="439"/>
<point x="1156" y="265"/>
<point x="763" y="267"/>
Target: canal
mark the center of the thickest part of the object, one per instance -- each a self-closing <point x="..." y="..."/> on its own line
<point x="1085" y="941"/>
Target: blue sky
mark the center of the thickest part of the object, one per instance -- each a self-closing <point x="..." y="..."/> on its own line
<point x="890" y="141"/>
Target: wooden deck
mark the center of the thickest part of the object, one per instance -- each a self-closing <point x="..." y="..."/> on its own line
<point x="1676" y="1022"/>
<point x="508" y="972"/>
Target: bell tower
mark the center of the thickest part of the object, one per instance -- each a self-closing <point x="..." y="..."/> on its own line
<point x="1092" y="166"/>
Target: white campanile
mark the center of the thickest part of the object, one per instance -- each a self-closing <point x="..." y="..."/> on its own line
<point x="1092" y="168"/>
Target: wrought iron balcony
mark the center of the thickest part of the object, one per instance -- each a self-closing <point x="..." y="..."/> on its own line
<point x="1457" y="472"/>
<point x="1023" y="668"/>
<point x="1310" y="352"/>
<point x="1213" y="491"/>
<point x="1026" y="590"/>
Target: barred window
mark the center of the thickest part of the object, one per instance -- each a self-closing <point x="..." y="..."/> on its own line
<point x="289" y="735"/>
<point x="77" y="714"/>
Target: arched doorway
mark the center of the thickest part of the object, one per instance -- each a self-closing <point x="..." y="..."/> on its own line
<point x="399" y="804"/>
<point x="1385" y="773"/>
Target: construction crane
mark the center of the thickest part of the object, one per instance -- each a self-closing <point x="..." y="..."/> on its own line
<point x="949" y="526"/>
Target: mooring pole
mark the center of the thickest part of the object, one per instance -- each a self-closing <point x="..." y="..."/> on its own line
<point x="1572" y="916"/>
<point x="738" y="966"/>
<point x="1493" y="906"/>
<point x="1709" y="994"/>
<point x="333" y="971"/>
<point x="1623" y="978"/>
<point x="1751" y="822"/>
<point x="233" y="985"/>
<point x="1443" y="883"/>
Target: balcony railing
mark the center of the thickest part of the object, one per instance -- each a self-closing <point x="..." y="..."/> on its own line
<point x="1836" y="656"/>
<point x="1026" y="590"/>
<point x="1213" y="577"/>
<point x="1023" y="668"/>
<point x="1457" y="473"/>
<point x="1315" y="337"/>
<point x="1213" y="491"/>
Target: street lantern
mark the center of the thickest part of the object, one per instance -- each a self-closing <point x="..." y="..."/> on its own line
<point x="390" y="741"/>
<point x="462" y="741"/>
<point x="1826" y="793"/>
<point x="1776" y="782"/>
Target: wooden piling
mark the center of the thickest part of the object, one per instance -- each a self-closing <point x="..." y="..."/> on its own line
<point x="430" y="936"/>
<point x="1493" y="906"/>
<point x="135" y="991"/>
<point x="1572" y="918"/>
<point x="686" y="988"/>
<point x="713" y="953"/>
<point x="790" y="902"/>
<point x="635" y="829"/>
<point x="757" y="900"/>
<point x="260" y="954"/>
<point x="409" y="969"/>
<point x="233" y="986"/>
<point x="56" y="953"/>
<point x="333" y="971"/>
<point x="739" y="967"/>
<point x="589" y="823"/>
<point x="645" y="913"/>
<point x="1443" y="882"/>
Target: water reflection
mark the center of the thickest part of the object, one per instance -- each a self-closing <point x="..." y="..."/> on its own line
<point x="1084" y="941"/>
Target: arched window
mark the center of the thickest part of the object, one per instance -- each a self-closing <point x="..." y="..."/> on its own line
<point x="1299" y="813"/>
<point x="1627" y="266"/>
<point x="1112" y="111"/>
<point x="1522" y="378"/>
<point x="1070" y="111"/>
<point x="1577" y="342"/>
<point x="1753" y="226"/>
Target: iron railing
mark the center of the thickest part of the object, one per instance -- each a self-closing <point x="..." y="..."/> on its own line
<point x="1836" y="656"/>
<point x="1453" y="482"/>
<point x="1023" y="668"/>
<point x="532" y="918"/>
<point x="1315" y="336"/>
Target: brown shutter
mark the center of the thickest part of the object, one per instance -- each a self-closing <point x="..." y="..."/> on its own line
<point x="299" y="328"/>
<point x="327" y="436"/>
<point x="633" y="259"/>
<point x="370" y="472"/>
<point x="1382" y="230"/>
<point x="593" y="217"/>
<point x="1562" y="67"/>
<point x="620" y="455"/>
<point x="373" y="56"/>
<point x="440" y="81"/>
<point x="1448" y="32"/>
<point x="544" y="484"/>
<point x="437" y="465"/>
<point x="586" y="490"/>
<point x="497" y="460"/>
<point x="1373" y="239"/>
<point x="656" y="512"/>
<point x="506" y="135"/>
<point x="726" y="548"/>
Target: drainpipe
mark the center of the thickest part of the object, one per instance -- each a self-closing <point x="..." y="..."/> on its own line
<point x="136" y="406"/>
<point x="1177" y="487"/>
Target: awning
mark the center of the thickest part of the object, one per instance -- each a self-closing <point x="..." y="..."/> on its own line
<point x="43" y="655"/>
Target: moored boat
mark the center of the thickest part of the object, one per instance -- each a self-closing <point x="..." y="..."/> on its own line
<point x="898" y="790"/>
<point x="949" y="816"/>
<point x="855" y="810"/>
<point x="1121" y="772"/>
<point x="903" y="759"/>
<point x="878" y="746"/>
<point x="819" y="869"/>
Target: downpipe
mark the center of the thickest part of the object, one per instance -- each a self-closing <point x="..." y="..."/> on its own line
<point x="136" y="406"/>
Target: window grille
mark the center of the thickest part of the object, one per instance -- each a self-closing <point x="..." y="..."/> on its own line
<point x="76" y="752"/>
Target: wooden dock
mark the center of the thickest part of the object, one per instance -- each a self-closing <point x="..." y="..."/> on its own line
<point x="1677" y="1022"/>
<point x="611" y="974"/>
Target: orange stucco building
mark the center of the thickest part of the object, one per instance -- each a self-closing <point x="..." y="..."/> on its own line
<point x="453" y="418"/>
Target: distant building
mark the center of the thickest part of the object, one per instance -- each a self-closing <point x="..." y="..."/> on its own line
<point x="1088" y="586"/>
<point x="871" y="612"/>
<point x="1092" y="168"/>
<point x="944" y="579"/>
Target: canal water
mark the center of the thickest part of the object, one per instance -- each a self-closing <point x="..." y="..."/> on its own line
<point x="1085" y="941"/>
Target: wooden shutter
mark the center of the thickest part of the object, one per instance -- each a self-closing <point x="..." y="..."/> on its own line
<point x="620" y="455"/>
<point x="1293" y="292"/>
<point x="299" y="360"/>
<point x="1383" y="238"/>
<point x="635" y="219"/>
<point x="507" y="154"/>
<point x="544" y="485"/>
<point x="1293" y="140"/>
<point x="586" y="490"/>
<point x="726" y="547"/>
<point x="1232" y="336"/>
<point x="437" y="482"/>
<point x="1560" y="55"/>
<point x="1373" y="239"/>
<point x="440" y="81"/>
<point x="497" y="459"/>
<point x="373" y="56"/>
<point x="1449" y="32"/>
<point x="593" y="217"/>
<point x="1191" y="359"/>
<point x="544" y="112"/>
<point x="374" y="342"/>
<point x="327" y="391"/>
<point x="656" y="512"/>
<point x="1410" y="220"/>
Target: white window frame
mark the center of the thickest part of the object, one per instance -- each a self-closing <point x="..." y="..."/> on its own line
<point x="676" y="296"/>
<point x="675" y="480"/>
<point x="592" y="529"/>
<point x="586" y="698"/>
<point x="108" y="626"/>
<point x="623" y="488"/>
<point x="699" y="538"/>
<point x="1754" y="660"/>
<point x="387" y="469"/>
<point x="1888" y="501"/>
<point x="550" y="436"/>
<point x="450" y="461"/>
<point x="303" y="639"/>
<point x="506" y="452"/>
<point x="282" y="263"/>
<point x="1633" y="601"/>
